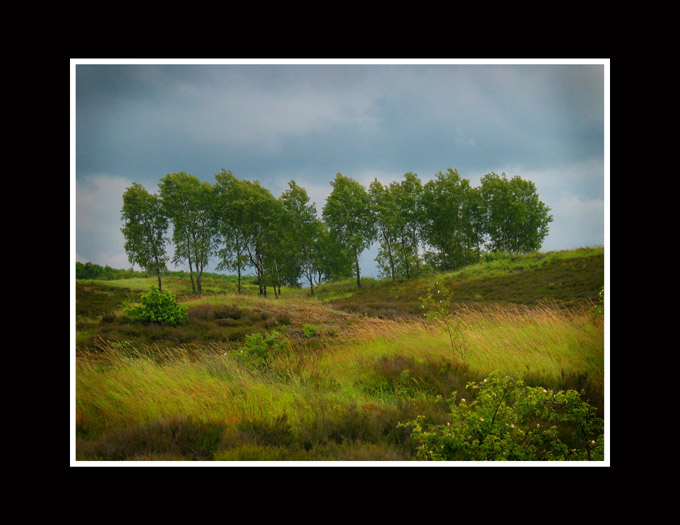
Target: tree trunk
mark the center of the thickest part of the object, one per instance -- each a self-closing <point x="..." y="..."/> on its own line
<point x="356" y="261"/>
<point x="191" y="274"/>
<point x="278" y="278"/>
<point x="391" y="261"/>
<point x="406" y="265"/>
<point x="389" y="254"/>
<point x="310" y="278"/>
<point x="158" y="273"/>
<point x="238" y="270"/>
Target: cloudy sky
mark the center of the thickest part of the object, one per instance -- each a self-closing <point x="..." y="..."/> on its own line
<point x="307" y="121"/>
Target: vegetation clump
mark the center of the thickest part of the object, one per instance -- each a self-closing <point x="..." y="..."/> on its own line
<point x="159" y="307"/>
<point x="510" y="421"/>
<point x="258" y="349"/>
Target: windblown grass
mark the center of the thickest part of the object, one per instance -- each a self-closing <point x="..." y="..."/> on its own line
<point x="328" y="397"/>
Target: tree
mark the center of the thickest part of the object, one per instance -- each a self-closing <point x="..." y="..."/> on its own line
<point x="302" y="228"/>
<point x="348" y="215"/>
<point x="473" y="223"/>
<point x="332" y="261"/>
<point x="387" y="222"/>
<point x="407" y="199"/>
<point x="261" y="221"/>
<point x="444" y="220"/>
<point x="281" y="262"/>
<point x="232" y="231"/>
<point x="189" y="204"/>
<point x="144" y="229"/>
<point x="514" y="217"/>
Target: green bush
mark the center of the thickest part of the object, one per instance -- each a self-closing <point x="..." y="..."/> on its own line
<point x="309" y="330"/>
<point x="509" y="421"/>
<point x="159" y="307"/>
<point x="258" y="350"/>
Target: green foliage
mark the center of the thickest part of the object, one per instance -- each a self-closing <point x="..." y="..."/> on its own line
<point x="309" y="330"/>
<point x="510" y="421"/>
<point x="302" y="233"/>
<point x="350" y="217"/>
<point x="90" y="270"/>
<point x="515" y="220"/>
<point x="159" y="307"/>
<point x="258" y="349"/>
<point x="144" y="229"/>
<point x="448" y="221"/>
<point x="187" y="203"/>
<point x="439" y="226"/>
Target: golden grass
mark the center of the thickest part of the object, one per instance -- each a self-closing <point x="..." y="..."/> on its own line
<point x="512" y="340"/>
<point x="122" y="387"/>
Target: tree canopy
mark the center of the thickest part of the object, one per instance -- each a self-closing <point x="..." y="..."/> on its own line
<point x="144" y="229"/>
<point x="350" y="217"/>
<point x="442" y="224"/>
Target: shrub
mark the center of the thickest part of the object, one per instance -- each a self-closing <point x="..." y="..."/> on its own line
<point x="309" y="330"/>
<point x="598" y="309"/>
<point x="159" y="307"/>
<point x="258" y="350"/>
<point x="511" y="421"/>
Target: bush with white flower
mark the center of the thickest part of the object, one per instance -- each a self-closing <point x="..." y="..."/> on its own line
<point x="510" y="421"/>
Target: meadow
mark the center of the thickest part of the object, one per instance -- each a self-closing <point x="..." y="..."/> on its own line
<point x="338" y="376"/>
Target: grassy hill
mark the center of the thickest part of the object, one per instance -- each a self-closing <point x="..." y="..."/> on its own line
<point x="346" y="369"/>
<point x="567" y="278"/>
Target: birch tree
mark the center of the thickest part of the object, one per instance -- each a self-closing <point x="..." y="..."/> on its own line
<point x="145" y="227"/>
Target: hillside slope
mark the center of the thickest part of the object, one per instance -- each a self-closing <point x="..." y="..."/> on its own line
<point x="567" y="279"/>
<point x="564" y="279"/>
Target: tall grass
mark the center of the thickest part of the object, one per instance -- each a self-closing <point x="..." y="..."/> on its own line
<point x="325" y="398"/>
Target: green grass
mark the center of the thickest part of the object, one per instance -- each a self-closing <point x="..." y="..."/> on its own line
<point x="568" y="279"/>
<point x="340" y="390"/>
<point x="352" y="389"/>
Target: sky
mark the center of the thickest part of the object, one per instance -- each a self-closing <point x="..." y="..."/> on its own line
<point x="276" y="121"/>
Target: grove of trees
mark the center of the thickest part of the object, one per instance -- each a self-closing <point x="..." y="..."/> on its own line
<point x="443" y="224"/>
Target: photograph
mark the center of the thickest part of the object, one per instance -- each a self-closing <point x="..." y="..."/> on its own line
<point x="339" y="262"/>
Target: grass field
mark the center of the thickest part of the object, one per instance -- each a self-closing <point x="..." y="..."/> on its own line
<point x="350" y="367"/>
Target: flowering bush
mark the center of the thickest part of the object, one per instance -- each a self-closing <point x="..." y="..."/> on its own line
<point x="598" y="309"/>
<point x="509" y="421"/>
<point x="159" y="307"/>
